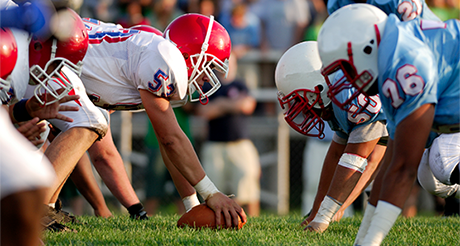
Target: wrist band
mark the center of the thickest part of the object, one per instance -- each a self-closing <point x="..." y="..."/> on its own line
<point x="190" y="202"/>
<point x="20" y="112"/>
<point x="206" y="188"/>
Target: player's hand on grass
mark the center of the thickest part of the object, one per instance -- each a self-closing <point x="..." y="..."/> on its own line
<point x="226" y="209"/>
<point x="51" y="111"/>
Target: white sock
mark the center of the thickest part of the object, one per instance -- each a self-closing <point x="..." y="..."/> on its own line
<point x="367" y="218"/>
<point x="51" y="205"/>
<point x="385" y="216"/>
<point x="326" y="211"/>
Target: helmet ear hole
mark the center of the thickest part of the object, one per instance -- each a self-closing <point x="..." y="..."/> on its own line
<point x="320" y="88"/>
<point x="368" y="50"/>
<point x="38" y="46"/>
<point x="186" y="55"/>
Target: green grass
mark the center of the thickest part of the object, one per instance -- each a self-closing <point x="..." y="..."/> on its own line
<point x="265" y="230"/>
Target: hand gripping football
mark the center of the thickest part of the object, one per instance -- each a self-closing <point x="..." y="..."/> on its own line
<point x="202" y="216"/>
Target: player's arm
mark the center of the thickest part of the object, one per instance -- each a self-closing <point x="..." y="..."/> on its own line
<point x="408" y="146"/>
<point x="327" y="172"/>
<point x="180" y="152"/>
<point x="185" y="189"/>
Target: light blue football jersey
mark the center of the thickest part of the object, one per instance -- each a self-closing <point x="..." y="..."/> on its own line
<point x="345" y="121"/>
<point x="404" y="9"/>
<point x="419" y="63"/>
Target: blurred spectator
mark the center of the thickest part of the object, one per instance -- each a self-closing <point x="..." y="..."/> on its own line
<point x="228" y="156"/>
<point x="104" y="10"/>
<point x="208" y="7"/>
<point x="243" y="28"/>
<point x="283" y="22"/>
<point x="163" y="12"/>
<point x="318" y="13"/>
<point x="133" y="14"/>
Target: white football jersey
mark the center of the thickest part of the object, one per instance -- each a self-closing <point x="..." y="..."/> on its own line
<point x="120" y="61"/>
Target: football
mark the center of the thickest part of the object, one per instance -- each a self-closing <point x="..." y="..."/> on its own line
<point x="202" y="216"/>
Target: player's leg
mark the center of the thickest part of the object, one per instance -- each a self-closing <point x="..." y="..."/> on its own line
<point x="349" y="172"/>
<point x="408" y="148"/>
<point x="109" y="164"/>
<point x="367" y="176"/>
<point x="64" y="152"/>
<point x="333" y="155"/>
<point x="374" y="195"/>
<point x="84" y="180"/>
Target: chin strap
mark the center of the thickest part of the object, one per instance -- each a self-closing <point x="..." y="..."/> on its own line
<point x="204" y="48"/>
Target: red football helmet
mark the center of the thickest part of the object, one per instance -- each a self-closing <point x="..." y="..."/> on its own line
<point x="8" y="57"/>
<point x="147" y="28"/>
<point x="205" y="45"/>
<point x="47" y="57"/>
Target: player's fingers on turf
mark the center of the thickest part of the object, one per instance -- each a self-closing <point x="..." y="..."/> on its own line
<point x="304" y="223"/>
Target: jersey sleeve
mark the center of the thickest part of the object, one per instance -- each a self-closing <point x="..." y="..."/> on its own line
<point x="162" y="71"/>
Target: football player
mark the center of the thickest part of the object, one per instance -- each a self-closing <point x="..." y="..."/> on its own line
<point x="55" y="66"/>
<point x="128" y="69"/>
<point x="359" y="140"/>
<point x="414" y="67"/>
<point x="24" y="173"/>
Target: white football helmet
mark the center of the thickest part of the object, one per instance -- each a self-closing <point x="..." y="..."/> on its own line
<point x="302" y="90"/>
<point x="349" y="41"/>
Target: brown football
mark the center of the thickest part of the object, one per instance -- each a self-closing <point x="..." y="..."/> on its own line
<point x="202" y="216"/>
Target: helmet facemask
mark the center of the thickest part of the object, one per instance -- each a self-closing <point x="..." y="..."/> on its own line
<point x="350" y="79"/>
<point x="5" y="89"/>
<point x="204" y="63"/>
<point x="46" y="81"/>
<point x="302" y="111"/>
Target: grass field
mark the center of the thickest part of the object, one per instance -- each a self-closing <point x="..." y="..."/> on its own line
<point x="265" y="230"/>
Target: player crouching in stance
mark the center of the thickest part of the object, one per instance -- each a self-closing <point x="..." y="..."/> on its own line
<point x="128" y="69"/>
<point x="414" y="66"/>
<point x="356" y="150"/>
